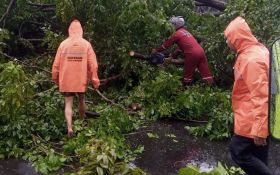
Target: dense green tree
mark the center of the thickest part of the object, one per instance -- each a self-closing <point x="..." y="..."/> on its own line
<point x="31" y="115"/>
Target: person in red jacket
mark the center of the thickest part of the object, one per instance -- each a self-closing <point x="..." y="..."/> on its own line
<point x="249" y="147"/>
<point x="74" y="65"/>
<point x="193" y="52"/>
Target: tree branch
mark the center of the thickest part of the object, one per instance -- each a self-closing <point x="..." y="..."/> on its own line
<point x="199" y="3"/>
<point x="106" y="80"/>
<point x="107" y="99"/>
<point x="7" y="11"/>
<point x="24" y="64"/>
<point x="217" y="4"/>
<point x="33" y="39"/>
<point x="41" y="5"/>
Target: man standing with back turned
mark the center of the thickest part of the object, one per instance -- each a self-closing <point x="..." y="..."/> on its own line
<point x="249" y="146"/>
<point x="74" y="65"/>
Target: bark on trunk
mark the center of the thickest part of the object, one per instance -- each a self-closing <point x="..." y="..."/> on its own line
<point x="217" y="4"/>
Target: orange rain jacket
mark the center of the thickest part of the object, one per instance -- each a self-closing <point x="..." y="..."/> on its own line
<point x="75" y="62"/>
<point x="250" y="90"/>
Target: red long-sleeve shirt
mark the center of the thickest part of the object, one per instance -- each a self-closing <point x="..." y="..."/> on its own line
<point x="186" y="42"/>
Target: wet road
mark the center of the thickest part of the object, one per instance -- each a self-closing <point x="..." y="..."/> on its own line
<point x="167" y="154"/>
<point x="16" y="167"/>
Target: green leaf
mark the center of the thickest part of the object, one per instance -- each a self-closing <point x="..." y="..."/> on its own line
<point x="99" y="171"/>
<point x="151" y="135"/>
<point x="190" y="170"/>
<point x="170" y="135"/>
<point x="2" y="156"/>
<point x="220" y="170"/>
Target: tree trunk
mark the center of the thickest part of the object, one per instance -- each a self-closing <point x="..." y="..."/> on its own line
<point x="217" y="4"/>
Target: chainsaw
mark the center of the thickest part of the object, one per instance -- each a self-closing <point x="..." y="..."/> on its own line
<point x="154" y="58"/>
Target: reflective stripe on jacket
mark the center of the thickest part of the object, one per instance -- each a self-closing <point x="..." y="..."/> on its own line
<point x="75" y="62"/>
<point x="250" y="90"/>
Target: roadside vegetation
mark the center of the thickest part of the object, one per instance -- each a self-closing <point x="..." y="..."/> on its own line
<point x="32" y="124"/>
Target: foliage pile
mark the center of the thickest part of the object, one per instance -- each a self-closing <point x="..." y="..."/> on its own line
<point x="31" y="115"/>
<point x="114" y="29"/>
<point x="219" y="170"/>
<point x="164" y="97"/>
<point x="32" y="123"/>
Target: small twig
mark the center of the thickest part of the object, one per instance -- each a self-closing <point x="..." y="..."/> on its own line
<point x="100" y="94"/>
<point x="51" y="22"/>
<point x="7" y="11"/>
<point x="39" y="146"/>
<point x="37" y="68"/>
<point x="197" y="121"/>
<point x="90" y="102"/>
<point x="40" y="56"/>
<point x="131" y="112"/>
<point x="71" y="166"/>
<point x="47" y="142"/>
<point x="106" y="80"/>
<point x="43" y="149"/>
<point x="40" y="5"/>
<point x="24" y="22"/>
<point x="194" y="121"/>
<point x="137" y="132"/>
<point x="112" y="102"/>
<point x="43" y="7"/>
<point x="107" y="99"/>
<point x="26" y="65"/>
<point x="41" y="81"/>
<point x="33" y="39"/>
<point x="8" y="56"/>
<point x="54" y="87"/>
<point x="109" y="106"/>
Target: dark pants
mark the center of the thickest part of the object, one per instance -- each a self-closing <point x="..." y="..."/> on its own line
<point x="251" y="158"/>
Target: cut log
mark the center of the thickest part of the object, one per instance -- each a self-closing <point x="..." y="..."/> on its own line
<point x="138" y="55"/>
<point x="217" y="4"/>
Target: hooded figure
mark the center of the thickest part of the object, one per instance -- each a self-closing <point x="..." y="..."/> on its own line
<point x="75" y="64"/>
<point x="249" y="146"/>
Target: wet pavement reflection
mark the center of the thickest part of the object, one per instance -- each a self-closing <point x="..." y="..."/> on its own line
<point x="175" y="148"/>
<point x="16" y="167"/>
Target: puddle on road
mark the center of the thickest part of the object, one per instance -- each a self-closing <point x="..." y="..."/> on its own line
<point x="166" y="155"/>
<point x="16" y="167"/>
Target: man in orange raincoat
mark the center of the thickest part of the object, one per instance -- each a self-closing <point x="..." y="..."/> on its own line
<point x="74" y="65"/>
<point x="249" y="146"/>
